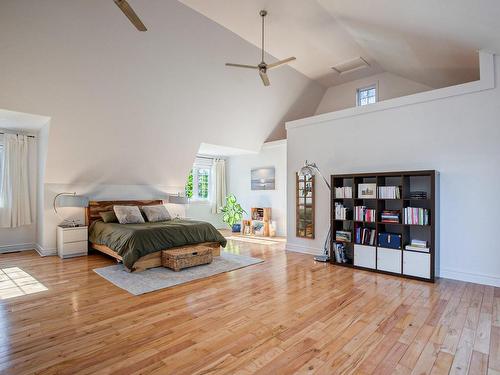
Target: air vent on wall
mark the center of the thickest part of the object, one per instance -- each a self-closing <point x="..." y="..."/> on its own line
<point x="351" y="65"/>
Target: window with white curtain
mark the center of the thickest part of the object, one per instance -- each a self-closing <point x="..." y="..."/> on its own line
<point x="199" y="181"/>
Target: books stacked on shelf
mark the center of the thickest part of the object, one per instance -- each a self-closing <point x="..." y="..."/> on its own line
<point x="365" y="236"/>
<point x="343" y="236"/>
<point x="343" y="192"/>
<point x="416" y="216"/>
<point x="361" y="213"/>
<point x="339" y="252"/>
<point x="390" y="216"/>
<point x="418" y="194"/>
<point x="389" y="192"/>
<point x="341" y="212"/>
<point x="418" y="245"/>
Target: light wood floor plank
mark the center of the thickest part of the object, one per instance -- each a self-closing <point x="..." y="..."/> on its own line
<point x="286" y="315"/>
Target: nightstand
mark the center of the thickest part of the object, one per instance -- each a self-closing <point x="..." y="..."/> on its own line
<point x="72" y="241"/>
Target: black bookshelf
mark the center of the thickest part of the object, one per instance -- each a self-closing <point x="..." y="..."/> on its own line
<point x="402" y="262"/>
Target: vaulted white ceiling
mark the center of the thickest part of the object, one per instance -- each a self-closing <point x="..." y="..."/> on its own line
<point x="133" y="108"/>
<point x="431" y="42"/>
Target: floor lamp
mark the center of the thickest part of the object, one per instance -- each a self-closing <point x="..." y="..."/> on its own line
<point x="310" y="169"/>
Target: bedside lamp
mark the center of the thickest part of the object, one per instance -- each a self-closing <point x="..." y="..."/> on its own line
<point x="179" y="200"/>
<point x="70" y="200"/>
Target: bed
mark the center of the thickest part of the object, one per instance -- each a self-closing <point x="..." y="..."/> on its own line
<point x="139" y="246"/>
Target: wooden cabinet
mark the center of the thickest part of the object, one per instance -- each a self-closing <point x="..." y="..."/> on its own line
<point x="389" y="260"/>
<point x="365" y="256"/>
<point x="72" y="241"/>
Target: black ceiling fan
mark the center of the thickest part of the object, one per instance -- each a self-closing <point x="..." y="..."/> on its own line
<point x="263" y="67"/>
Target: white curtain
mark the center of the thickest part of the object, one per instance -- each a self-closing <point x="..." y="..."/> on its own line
<point x="218" y="194"/>
<point x="15" y="209"/>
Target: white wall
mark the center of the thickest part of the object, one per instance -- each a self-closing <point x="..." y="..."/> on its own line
<point x="456" y="135"/>
<point x="388" y="86"/>
<point x="272" y="154"/>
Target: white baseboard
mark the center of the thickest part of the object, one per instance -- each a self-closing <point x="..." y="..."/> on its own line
<point x="303" y="249"/>
<point x="17" y="247"/>
<point x="469" y="277"/>
<point x="45" y="252"/>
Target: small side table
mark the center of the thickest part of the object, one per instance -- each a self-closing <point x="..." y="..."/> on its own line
<point x="72" y="241"/>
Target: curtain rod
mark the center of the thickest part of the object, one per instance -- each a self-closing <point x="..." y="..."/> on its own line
<point x="29" y="136"/>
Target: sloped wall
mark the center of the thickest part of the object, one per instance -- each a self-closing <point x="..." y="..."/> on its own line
<point x="130" y="108"/>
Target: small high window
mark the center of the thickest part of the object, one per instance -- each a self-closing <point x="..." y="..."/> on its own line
<point x="366" y="95"/>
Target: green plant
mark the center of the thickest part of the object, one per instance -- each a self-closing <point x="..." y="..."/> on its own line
<point x="189" y="185"/>
<point x="232" y="211"/>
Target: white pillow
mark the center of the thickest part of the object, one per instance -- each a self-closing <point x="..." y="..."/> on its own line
<point x="128" y="214"/>
<point x="156" y="213"/>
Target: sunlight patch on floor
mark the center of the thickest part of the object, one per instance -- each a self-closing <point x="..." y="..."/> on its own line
<point x="15" y="282"/>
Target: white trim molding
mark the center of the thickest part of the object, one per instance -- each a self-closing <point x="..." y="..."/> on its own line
<point x="486" y="82"/>
<point x="17" y="247"/>
<point x="303" y="249"/>
<point x="469" y="277"/>
<point x="45" y="252"/>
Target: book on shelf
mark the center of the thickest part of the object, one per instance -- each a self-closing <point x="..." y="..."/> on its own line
<point x="343" y="236"/>
<point x="416" y="216"/>
<point x="390" y="216"/>
<point x="365" y="236"/>
<point x="339" y="252"/>
<point x="418" y="245"/>
<point x="361" y="213"/>
<point x="343" y="192"/>
<point x="418" y="194"/>
<point x="341" y="212"/>
<point x="389" y="192"/>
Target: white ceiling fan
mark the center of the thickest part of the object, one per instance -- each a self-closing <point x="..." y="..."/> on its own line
<point x="263" y="67"/>
<point x="131" y="14"/>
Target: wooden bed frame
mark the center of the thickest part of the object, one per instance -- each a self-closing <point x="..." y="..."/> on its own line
<point x="148" y="261"/>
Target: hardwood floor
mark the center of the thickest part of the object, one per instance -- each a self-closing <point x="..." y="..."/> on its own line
<point x="286" y="315"/>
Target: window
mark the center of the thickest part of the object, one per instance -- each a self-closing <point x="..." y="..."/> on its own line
<point x="367" y="95"/>
<point x="199" y="180"/>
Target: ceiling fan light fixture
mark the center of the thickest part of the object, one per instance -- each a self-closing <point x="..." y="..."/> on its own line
<point x="351" y="65"/>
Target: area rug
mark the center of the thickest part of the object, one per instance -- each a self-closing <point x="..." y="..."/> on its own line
<point x="160" y="277"/>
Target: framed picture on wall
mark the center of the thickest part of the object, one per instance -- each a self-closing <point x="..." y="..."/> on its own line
<point x="262" y="179"/>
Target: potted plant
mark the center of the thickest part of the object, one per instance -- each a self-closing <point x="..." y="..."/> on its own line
<point x="232" y="213"/>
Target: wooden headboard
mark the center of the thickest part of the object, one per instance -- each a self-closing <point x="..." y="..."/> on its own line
<point x="96" y="207"/>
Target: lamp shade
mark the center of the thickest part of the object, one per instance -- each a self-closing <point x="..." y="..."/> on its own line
<point x="72" y="201"/>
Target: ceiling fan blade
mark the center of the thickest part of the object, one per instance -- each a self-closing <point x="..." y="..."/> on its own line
<point x="131" y="15"/>
<point x="265" y="78"/>
<point x="243" y="66"/>
<point x="281" y="62"/>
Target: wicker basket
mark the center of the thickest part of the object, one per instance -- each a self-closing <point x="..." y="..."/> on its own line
<point x="185" y="257"/>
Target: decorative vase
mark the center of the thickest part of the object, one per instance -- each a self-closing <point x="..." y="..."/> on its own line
<point x="236" y="228"/>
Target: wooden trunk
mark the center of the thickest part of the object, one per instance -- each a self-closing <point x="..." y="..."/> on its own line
<point x="185" y="257"/>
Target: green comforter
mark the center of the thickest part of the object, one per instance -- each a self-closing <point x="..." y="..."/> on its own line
<point x="132" y="241"/>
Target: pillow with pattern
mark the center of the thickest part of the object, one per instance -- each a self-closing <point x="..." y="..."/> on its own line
<point x="128" y="214"/>
<point x="156" y="213"/>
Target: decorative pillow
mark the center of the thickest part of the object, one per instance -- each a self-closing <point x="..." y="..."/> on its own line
<point x="128" y="214"/>
<point x="156" y="213"/>
<point x="109" y="217"/>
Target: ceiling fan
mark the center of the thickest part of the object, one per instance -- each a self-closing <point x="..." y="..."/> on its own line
<point x="131" y="14"/>
<point x="263" y="67"/>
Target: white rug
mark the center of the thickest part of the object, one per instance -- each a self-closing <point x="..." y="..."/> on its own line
<point x="160" y="277"/>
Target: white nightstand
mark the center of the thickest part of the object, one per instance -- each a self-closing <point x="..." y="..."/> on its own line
<point x="72" y="241"/>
